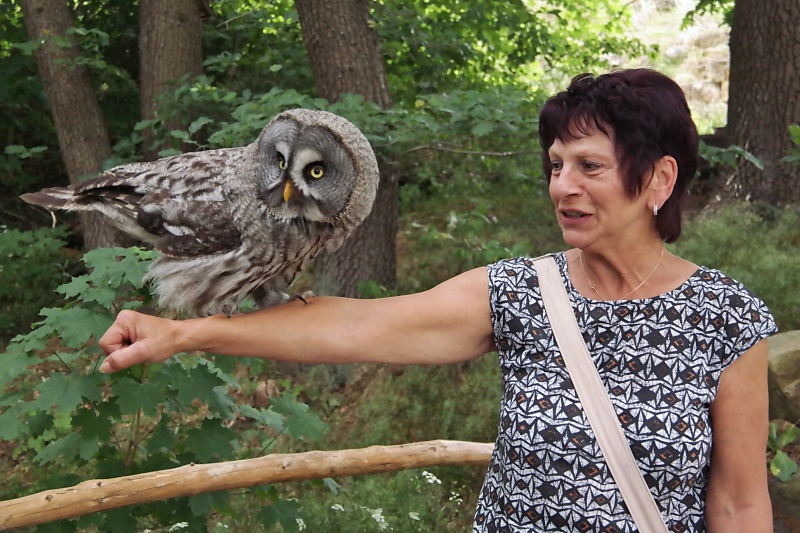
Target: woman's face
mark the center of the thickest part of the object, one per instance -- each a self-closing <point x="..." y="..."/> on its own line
<point x="587" y="191"/>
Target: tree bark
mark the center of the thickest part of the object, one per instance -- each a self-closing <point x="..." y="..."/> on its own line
<point x="170" y="48"/>
<point x="345" y="58"/>
<point x="763" y="99"/>
<point x="102" y="495"/>
<point x="76" y="113"/>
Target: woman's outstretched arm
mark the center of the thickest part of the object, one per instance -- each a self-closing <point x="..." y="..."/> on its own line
<point x="446" y="324"/>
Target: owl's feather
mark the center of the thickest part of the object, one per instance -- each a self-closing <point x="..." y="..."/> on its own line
<point x="241" y="221"/>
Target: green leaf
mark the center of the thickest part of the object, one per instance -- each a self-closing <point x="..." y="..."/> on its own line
<point x="96" y="428"/>
<point x="218" y="371"/>
<point x="66" y="392"/>
<point x="162" y="439"/>
<point x="483" y="128"/>
<point x="212" y="441"/>
<point x="105" y="296"/>
<point x="132" y="396"/>
<point x="39" y="423"/>
<point x="15" y="361"/>
<point x="118" y="266"/>
<point x="268" y="417"/>
<point x="75" y="325"/>
<point x="300" y="422"/>
<point x="63" y="449"/>
<point x="332" y="486"/>
<point x="204" y="504"/>
<point x="751" y="158"/>
<point x="15" y="149"/>
<point x="283" y="512"/>
<point x="205" y="385"/>
<point x="11" y="425"/>
<point x="195" y="126"/>
<point x="29" y="47"/>
<point x="788" y="436"/>
<point x="119" y="521"/>
<point x="782" y="466"/>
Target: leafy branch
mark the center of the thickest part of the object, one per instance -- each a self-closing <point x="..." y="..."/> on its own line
<point x="57" y="408"/>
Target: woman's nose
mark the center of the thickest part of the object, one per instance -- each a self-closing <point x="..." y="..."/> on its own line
<point x="565" y="182"/>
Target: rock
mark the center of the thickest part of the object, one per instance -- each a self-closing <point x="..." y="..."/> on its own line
<point x="784" y="375"/>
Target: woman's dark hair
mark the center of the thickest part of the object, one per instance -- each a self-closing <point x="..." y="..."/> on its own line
<point x="647" y="114"/>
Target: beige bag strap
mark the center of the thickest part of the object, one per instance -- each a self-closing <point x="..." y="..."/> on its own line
<point x="594" y="397"/>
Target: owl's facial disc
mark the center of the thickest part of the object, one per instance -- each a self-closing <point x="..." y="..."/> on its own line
<point x="306" y="172"/>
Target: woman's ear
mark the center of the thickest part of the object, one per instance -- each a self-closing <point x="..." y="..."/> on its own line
<point x="665" y="173"/>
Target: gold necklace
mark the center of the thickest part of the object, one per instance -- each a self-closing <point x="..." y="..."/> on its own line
<point x="639" y="286"/>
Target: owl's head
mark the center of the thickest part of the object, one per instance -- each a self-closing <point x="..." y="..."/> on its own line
<point x="317" y="166"/>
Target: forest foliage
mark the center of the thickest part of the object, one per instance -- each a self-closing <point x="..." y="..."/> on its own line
<point x="461" y="137"/>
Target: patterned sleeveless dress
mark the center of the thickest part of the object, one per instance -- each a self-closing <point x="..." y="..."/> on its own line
<point x="660" y="358"/>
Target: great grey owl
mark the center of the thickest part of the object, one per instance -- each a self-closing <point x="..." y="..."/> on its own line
<point x="234" y="222"/>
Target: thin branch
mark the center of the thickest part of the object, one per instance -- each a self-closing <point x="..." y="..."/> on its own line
<point x="441" y="148"/>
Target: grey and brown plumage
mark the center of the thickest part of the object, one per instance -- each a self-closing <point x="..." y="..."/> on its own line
<point x="234" y="222"/>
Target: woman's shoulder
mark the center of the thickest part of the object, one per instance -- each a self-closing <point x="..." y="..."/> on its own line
<point x="714" y="282"/>
<point x="725" y="296"/>
<point x="525" y="264"/>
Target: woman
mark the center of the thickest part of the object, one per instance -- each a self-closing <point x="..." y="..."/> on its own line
<point x="679" y="347"/>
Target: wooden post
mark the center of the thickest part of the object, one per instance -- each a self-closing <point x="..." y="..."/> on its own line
<point x="101" y="495"/>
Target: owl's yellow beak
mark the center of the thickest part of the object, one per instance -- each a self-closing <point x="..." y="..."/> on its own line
<point x="288" y="189"/>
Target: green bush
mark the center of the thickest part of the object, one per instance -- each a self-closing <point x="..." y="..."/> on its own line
<point x="758" y="246"/>
<point x="56" y="408"/>
<point x="32" y="265"/>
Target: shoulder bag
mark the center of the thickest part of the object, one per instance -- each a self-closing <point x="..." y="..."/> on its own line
<point x="594" y="397"/>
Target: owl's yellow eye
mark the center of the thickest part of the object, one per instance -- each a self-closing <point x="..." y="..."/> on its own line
<point x="281" y="162"/>
<point x="317" y="171"/>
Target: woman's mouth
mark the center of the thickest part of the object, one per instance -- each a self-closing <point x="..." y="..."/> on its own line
<point x="573" y="214"/>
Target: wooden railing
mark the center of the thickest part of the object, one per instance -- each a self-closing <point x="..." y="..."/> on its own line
<point x="104" y="494"/>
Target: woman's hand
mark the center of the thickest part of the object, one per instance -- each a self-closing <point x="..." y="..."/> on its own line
<point x="136" y="338"/>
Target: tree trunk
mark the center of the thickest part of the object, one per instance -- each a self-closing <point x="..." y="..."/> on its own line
<point x="79" y="123"/>
<point x="170" y="48"/>
<point x="763" y="99"/>
<point x="345" y="58"/>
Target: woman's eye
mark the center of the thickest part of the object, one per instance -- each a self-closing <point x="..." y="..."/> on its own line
<point x="556" y="165"/>
<point x="317" y="171"/>
<point x="590" y="166"/>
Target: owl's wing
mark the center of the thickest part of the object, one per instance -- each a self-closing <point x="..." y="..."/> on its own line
<point x="179" y="201"/>
<point x="190" y="228"/>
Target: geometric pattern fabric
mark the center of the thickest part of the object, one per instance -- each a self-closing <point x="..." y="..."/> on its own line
<point x="660" y="359"/>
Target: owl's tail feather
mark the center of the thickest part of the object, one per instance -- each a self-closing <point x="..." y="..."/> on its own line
<point x="120" y="209"/>
<point x="55" y="198"/>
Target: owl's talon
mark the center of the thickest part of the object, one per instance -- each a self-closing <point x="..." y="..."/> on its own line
<point x="302" y="297"/>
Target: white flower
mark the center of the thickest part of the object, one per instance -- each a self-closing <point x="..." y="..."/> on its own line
<point x="430" y="478"/>
<point x="337" y="507"/>
<point x="377" y="515"/>
<point x="414" y="516"/>
<point x="300" y="524"/>
<point x="179" y="525"/>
